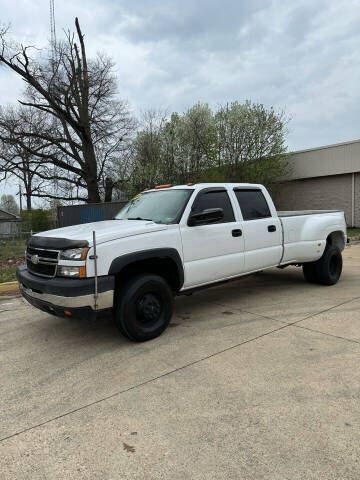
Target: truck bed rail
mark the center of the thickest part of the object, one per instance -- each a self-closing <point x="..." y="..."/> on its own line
<point x="297" y="213"/>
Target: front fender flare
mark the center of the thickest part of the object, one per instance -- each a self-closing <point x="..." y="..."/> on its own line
<point x="124" y="260"/>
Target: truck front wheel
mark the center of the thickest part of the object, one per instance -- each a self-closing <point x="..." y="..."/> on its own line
<point x="327" y="269"/>
<point x="144" y="307"/>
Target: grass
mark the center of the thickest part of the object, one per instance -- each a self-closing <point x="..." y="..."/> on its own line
<point x="10" y="249"/>
<point x="7" y="274"/>
<point x="353" y="231"/>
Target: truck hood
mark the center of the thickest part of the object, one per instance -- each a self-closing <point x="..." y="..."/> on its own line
<point x="105" y="231"/>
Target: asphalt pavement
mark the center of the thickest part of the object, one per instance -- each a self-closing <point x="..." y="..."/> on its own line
<point x="255" y="379"/>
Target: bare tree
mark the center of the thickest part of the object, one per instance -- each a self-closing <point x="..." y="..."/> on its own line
<point x="8" y="203"/>
<point x="86" y="125"/>
<point x="15" y="161"/>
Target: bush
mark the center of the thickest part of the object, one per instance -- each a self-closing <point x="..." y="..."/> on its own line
<point x="37" y="220"/>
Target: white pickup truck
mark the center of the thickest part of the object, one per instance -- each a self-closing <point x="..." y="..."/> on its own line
<point x="172" y="240"/>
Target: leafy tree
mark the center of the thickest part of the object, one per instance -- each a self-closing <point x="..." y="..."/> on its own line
<point x="237" y="142"/>
<point x="146" y="151"/>
<point x="197" y="137"/>
<point x="38" y="220"/>
<point x="251" y="142"/>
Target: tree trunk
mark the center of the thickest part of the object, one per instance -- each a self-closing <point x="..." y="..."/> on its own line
<point x="93" y="191"/>
<point x="27" y="180"/>
<point x="28" y="201"/>
<point x="91" y="172"/>
<point x="108" y="189"/>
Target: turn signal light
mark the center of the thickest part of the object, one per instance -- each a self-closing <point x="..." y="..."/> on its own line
<point x="82" y="272"/>
<point x="67" y="312"/>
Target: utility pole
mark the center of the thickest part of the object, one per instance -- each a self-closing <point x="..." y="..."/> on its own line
<point x="20" y="198"/>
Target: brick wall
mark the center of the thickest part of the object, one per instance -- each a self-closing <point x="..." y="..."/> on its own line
<point x="357" y="199"/>
<point x="331" y="192"/>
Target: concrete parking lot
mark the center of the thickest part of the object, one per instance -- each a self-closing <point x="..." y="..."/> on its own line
<point x="256" y="379"/>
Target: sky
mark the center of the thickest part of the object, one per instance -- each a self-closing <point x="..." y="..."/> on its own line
<point x="299" y="56"/>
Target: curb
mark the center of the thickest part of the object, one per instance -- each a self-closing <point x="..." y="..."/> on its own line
<point x="9" y="287"/>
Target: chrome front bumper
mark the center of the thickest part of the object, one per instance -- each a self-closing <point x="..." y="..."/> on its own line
<point x="105" y="299"/>
<point x="65" y="296"/>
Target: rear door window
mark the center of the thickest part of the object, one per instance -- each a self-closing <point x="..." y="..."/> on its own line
<point x="253" y="204"/>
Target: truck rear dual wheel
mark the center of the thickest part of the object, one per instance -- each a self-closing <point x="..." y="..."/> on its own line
<point x="327" y="269"/>
<point x="144" y="308"/>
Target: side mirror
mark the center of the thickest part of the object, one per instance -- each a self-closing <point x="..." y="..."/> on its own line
<point x="210" y="215"/>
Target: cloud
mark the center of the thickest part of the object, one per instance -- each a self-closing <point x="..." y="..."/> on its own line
<point x="301" y="56"/>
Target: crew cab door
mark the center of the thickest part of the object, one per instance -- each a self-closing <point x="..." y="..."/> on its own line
<point x="215" y="251"/>
<point x="261" y="229"/>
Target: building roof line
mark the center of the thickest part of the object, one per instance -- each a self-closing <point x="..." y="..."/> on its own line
<point x="325" y="146"/>
<point x="8" y="213"/>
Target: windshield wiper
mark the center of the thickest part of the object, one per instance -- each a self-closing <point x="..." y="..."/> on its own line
<point x="139" y="218"/>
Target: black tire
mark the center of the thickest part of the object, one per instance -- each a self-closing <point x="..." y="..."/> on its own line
<point x="327" y="269"/>
<point x="309" y="271"/>
<point x="144" y="308"/>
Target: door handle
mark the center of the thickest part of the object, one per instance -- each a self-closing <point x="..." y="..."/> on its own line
<point x="271" y="228"/>
<point x="236" y="233"/>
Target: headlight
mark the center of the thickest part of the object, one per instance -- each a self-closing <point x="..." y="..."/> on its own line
<point x="73" y="272"/>
<point x="74" y="254"/>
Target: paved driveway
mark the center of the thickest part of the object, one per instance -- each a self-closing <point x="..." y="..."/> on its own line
<point x="257" y="379"/>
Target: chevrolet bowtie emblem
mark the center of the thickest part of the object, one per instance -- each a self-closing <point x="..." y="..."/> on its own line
<point x="34" y="259"/>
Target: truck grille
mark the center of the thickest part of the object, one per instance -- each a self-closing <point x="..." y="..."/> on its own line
<point x="41" y="261"/>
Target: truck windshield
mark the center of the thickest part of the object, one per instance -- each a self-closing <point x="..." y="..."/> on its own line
<point x="162" y="206"/>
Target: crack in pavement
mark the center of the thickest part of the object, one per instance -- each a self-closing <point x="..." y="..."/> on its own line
<point x="108" y="397"/>
<point x="296" y="321"/>
<point x="183" y="367"/>
<point x="325" y="333"/>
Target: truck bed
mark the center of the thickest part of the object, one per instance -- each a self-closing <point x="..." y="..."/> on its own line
<point x="297" y="213"/>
